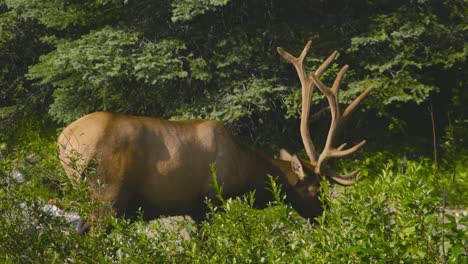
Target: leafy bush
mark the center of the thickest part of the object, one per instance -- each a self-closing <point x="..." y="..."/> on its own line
<point x="392" y="216"/>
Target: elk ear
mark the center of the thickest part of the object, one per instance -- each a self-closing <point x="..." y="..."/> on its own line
<point x="297" y="169"/>
<point x="284" y="155"/>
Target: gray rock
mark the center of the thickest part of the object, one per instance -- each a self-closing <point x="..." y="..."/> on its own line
<point x="72" y="218"/>
<point x="17" y="176"/>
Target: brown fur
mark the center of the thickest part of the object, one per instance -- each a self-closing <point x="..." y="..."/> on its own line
<point x="163" y="166"/>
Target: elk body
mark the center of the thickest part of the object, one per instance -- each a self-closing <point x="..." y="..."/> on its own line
<point x="163" y="166"/>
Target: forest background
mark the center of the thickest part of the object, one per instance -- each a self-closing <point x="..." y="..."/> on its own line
<point x="217" y="59"/>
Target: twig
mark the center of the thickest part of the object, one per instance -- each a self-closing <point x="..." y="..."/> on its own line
<point x="444" y="194"/>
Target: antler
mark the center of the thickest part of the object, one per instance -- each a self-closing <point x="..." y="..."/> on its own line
<point x="308" y="86"/>
<point x="308" y="83"/>
<point x="337" y="122"/>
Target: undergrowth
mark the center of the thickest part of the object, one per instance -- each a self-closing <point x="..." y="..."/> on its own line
<point x="391" y="215"/>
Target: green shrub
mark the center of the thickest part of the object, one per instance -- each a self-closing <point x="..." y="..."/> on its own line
<point x="393" y="216"/>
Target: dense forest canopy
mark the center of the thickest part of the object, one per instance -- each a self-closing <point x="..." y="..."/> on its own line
<point x="217" y="59"/>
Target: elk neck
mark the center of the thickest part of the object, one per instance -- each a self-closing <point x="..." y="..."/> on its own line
<point x="258" y="169"/>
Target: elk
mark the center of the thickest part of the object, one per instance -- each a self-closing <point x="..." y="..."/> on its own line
<point x="163" y="168"/>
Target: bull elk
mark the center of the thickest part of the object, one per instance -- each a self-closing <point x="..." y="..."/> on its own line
<point x="163" y="166"/>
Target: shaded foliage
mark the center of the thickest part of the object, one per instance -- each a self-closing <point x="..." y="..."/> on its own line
<point x="392" y="215"/>
<point x="217" y="59"/>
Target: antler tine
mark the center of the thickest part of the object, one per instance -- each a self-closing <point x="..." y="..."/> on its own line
<point x="325" y="64"/>
<point x="337" y="118"/>
<point x="338" y="153"/>
<point x="349" y="175"/>
<point x="351" y="107"/>
<point x="343" y="179"/>
<point x="307" y="90"/>
<point x="296" y="61"/>
<point x="336" y="85"/>
<point x="342" y="146"/>
<point x="308" y="83"/>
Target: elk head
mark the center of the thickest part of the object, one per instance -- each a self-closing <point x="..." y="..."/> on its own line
<point x="310" y="173"/>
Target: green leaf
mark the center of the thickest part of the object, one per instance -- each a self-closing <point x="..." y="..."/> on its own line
<point x="184" y="10"/>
